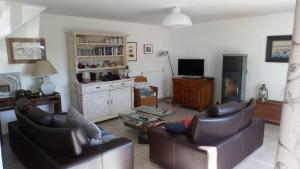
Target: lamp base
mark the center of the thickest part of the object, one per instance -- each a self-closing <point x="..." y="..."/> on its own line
<point x="47" y="87"/>
<point x="169" y="100"/>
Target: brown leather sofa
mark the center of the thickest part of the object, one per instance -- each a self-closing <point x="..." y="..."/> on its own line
<point x="228" y="128"/>
<point x="39" y="144"/>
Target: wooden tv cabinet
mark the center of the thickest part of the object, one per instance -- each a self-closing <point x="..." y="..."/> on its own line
<point x="194" y="93"/>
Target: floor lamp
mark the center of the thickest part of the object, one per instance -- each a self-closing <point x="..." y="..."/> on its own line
<point x="162" y="54"/>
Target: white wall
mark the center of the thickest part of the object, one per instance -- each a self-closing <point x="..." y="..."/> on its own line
<point x="54" y="27"/>
<point x="248" y="35"/>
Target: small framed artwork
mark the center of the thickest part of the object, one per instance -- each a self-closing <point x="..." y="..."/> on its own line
<point x="131" y="51"/>
<point x="148" y="48"/>
<point x="278" y="48"/>
<point x="25" y="50"/>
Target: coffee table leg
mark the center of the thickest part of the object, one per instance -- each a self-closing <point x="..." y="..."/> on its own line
<point x="143" y="138"/>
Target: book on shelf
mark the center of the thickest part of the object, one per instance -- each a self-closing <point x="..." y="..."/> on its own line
<point x="81" y="39"/>
<point x="100" y="51"/>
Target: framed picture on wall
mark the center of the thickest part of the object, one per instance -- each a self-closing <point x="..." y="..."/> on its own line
<point x="25" y="50"/>
<point x="131" y="51"/>
<point x="278" y="48"/>
<point x="148" y="48"/>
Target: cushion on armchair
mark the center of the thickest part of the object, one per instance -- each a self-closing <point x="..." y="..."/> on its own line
<point x="144" y="88"/>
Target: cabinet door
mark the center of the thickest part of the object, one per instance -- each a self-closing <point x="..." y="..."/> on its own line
<point x="98" y="104"/>
<point x="207" y="92"/>
<point x="120" y="100"/>
<point x="178" y="91"/>
<point x="192" y="97"/>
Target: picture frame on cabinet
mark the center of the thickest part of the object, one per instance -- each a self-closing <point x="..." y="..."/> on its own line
<point x="131" y="51"/>
<point x="25" y="50"/>
<point x="278" y="48"/>
<point x="148" y="48"/>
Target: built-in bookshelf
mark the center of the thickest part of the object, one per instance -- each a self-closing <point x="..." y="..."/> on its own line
<point x="94" y="51"/>
<point x="99" y="88"/>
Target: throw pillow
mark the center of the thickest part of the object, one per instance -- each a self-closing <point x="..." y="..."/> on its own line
<point x="178" y="127"/>
<point x="175" y="127"/>
<point x="106" y="137"/>
<point x="74" y="118"/>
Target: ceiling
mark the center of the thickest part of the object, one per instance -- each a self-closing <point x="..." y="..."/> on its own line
<point x="153" y="11"/>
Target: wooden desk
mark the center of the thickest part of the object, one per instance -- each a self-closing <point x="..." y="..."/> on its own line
<point x="10" y="103"/>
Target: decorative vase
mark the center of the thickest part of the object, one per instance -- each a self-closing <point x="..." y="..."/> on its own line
<point x="86" y="77"/>
<point x="47" y="87"/>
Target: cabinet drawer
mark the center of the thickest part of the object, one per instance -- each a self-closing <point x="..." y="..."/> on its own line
<point x="122" y="84"/>
<point x="178" y="83"/>
<point x="95" y="88"/>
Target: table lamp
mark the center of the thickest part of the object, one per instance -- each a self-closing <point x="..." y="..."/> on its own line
<point x="43" y="69"/>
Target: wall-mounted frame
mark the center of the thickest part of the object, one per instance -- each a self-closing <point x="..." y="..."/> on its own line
<point x="148" y="48"/>
<point x="25" y="50"/>
<point x="131" y="51"/>
<point x="278" y="48"/>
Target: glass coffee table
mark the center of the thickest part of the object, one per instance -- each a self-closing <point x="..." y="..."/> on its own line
<point x="144" y="119"/>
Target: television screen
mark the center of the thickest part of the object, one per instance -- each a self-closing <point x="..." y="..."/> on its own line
<point x="191" y="67"/>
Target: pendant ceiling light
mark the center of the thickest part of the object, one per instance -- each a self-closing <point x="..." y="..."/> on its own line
<point x="177" y="20"/>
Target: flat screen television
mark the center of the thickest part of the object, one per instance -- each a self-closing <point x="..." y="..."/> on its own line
<point x="191" y="67"/>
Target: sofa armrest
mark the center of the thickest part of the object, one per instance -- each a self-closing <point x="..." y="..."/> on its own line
<point x="117" y="153"/>
<point x="188" y="155"/>
<point x="161" y="147"/>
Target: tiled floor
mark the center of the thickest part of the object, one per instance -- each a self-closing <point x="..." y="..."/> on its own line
<point x="263" y="158"/>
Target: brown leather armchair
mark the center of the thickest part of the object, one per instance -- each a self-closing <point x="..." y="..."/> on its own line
<point x="230" y="133"/>
<point x="144" y="100"/>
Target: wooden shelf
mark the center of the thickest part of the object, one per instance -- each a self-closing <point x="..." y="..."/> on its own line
<point x="99" y="69"/>
<point x="99" y="56"/>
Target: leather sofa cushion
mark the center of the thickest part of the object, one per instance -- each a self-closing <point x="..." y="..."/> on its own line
<point x="247" y="114"/>
<point x="207" y="129"/>
<point x="40" y="117"/>
<point x="24" y="105"/>
<point x="224" y="109"/>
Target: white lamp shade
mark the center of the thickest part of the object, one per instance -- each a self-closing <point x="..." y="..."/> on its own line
<point x="177" y="20"/>
<point x="43" y="68"/>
